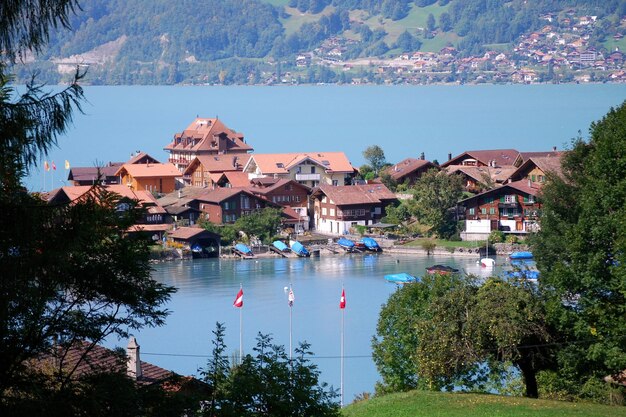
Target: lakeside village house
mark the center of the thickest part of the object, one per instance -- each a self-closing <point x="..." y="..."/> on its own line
<point x="212" y="174"/>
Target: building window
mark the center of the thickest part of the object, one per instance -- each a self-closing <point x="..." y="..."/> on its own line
<point x="483" y="210"/>
<point x="312" y="170"/>
<point x="335" y="183"/>
<point x="324" y="199"/>
<point x="296" y="198"/>
<point x="332" y="212"/>
<point x="323" y="211"/>
<point x="472" y="211"/>
<point x="510" y="198"/>
<point x="492" y="210"/>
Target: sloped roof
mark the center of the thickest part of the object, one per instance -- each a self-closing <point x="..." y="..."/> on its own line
<point x="502" y="157"/>
<point x="221" y="194"/>
<point x="91" y="173"/>
<point x="281" y="163"/>
<point x="498" y="174"/>
<point x="99" y="359"/>
<point x="76" y="192"/>
<point x="142" y="158"/>
<point x="181" y="196"/>
<point x="355" y="194"/>
<point x="548" y="164"/>
<point x="185" y="233"/>
<point x="218" y="163"/>
<point x="276" y="185"/>
<point x="202" y="131"/>
<point x="237" y="178"/>
<point x="522" y="186"/>
<point x="150" y="170"/>
<point x="406" y="167"/>
<point x="524" y="156"/>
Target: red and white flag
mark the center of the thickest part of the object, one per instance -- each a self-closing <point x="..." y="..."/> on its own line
<point x="239" y="299"/>
<point x="291" y="298"/>
<point x="54" y="166"/>
<point x="342" y="300"/>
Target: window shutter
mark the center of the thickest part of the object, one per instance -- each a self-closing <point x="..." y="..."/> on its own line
<point x="502" y="199"/>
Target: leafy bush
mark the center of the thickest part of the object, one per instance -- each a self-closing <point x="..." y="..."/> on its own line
<point x="360" y="229"/>
<point x="511" y="239"/>
<point x="496" y="237"/>
<point x="428" y="246"/>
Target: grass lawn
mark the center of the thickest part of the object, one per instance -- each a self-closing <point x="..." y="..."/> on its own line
<point x="277" y="2"/>
<point x="435" y="404"/>
<point x="296" y="18"/>
<point x="447" y="243"/>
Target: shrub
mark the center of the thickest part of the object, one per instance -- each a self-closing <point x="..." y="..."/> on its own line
<point x="496" y="237"/>
<point x="360" y="229"/>
<point x="511" y="239"/>
<point x="428" y="246"/>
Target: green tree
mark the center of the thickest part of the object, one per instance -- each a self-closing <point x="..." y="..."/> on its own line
<point x="581" y="252"/>
<point x="69" y="272"/>
<point x="375" y="156"/>
<point x="263" y="223"/>
<point x="435" y="193"/>
<point x="430" y="22"/>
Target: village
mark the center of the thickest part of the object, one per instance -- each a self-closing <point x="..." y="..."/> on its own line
<point x="213" y="176"/>
<point x="561" y="51"/>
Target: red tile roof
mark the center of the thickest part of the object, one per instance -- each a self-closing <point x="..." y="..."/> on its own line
<point x="237" y="179"/>
<point x="502" y="157"/>
<point x="149" y="170"/>
<point x="276" y="185"/>
<point x="76" y="192"/>
<point x="221" y="194"/>
<point x="185" y="233"/>
<point x="280" y="163"/>
<point x="201" y="133"/>
<point x="406" y="167"/>
<point x="142" y="158"/>
<point x="356" y="194"/>
<point x="218" y="163"/>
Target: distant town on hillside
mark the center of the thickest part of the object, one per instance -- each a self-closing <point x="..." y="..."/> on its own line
<point x="292" y="42"/>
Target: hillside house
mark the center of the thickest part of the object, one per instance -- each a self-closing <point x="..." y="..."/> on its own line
<point x="409" y="170"/>
<point x="308" y="168"/>
<point x="206" y="170"/>
<point x="226" y="205"/>
<point x="106" y="174"/>
<point x="205" y="137"/>
<point x="513" y="208"/>
<point x="536" y="168"/>
<point x="286" y="193"/>
<point x="337" y="209"/>
<point x="156" y="178"/>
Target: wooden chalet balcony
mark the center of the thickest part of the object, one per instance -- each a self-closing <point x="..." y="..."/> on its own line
<point x="308" y="177"/>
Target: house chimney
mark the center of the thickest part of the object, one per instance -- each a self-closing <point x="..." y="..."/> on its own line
<point x="133" y="366"/>
<point x="554" y="149"/>
<point x="180" y="193"/>
<point x="449" y="156"/>
<point x="422" y="156"/>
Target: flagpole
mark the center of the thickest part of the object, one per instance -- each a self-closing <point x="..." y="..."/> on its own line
<point x="342" y="333"/>
<point x="290" y="328"/>
<point x="241" y="331"/>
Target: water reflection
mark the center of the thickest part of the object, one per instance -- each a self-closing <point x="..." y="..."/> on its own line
<point x="207" y="288"/>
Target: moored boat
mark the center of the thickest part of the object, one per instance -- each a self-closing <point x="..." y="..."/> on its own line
<point x="243" y="250"/>
<point x="529" y="274"/>
<point x="401" y="278"/>
<point x="347" y="244"/>
<point x="299" y="249"/>
<point x="521" y="255"/>
<point x="370" y="244"/>
<point x="281" y="246"/>
<point x="441" y="269"/>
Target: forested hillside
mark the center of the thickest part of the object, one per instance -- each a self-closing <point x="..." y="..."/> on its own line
<point x="255" y="41"/>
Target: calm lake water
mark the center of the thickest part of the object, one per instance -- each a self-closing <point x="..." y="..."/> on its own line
<point x="207" y="289"/>
<point x="404" y="120"/>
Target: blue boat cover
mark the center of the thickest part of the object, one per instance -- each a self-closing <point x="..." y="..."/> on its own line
<point x="370" y="243"/>
<point x="521" y="255"/>
<point x="347" y="243"/>
<point x="299" y="249"/>
<point x="280" y="245"/>
<point x="528" y="274"/>
<point x="400" y="277"/>
<point x="243" y="249"/>
<point x="196" y="248"/>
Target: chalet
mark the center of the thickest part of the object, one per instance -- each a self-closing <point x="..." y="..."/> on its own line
<point x="90" y="175"/>
<point x="477" y="179"/>
<point x="226" y="205"/>
<point x="205" y="170"/>
<point x="310" y="169"/>
<point x="158" y="178"/>
<point x="489" y="158"/>
<point x="536" y="168"/>
<point x="232" y="179"/>
<point x="513" y="208"/>
<point x="340" y="208"/>
<point x="106" y="174"/>
<point x="153" y="220"/>
<point x="286" y="193"/>
<point x="409" y="170"/>
<point x="205" y="137"/>
<point x="524" y="156"/>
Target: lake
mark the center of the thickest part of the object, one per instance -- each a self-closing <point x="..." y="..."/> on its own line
<point x="403" y="120"/>
<point x="207" y="290"/>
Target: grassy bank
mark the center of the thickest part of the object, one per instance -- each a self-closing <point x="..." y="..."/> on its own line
<point x="435" y="404"/>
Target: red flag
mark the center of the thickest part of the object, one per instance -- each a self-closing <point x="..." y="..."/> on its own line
<point x="342" y="300"/>
<point x="291" y="298"/>
<point x="239" y="299"/>
<point x="54" y="166"/>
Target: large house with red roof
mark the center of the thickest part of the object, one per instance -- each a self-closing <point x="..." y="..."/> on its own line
<point x="207" y="170"/>
<point x="337" y="209"/>
<point x="205" y="137"/>
<point x="157" y="178"/>
<point x="307" y="168"/>
<point x="286" y="193"/>
<point x="226" y="205"/>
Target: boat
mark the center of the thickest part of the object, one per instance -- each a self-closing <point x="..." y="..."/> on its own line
<point x="441" y="269"/>
<point x="347" y="244"/>
<point x="243" y="250"/>
<point x="487" y="262"/>
<point x="281" y="246"/>
<point x="299" y="249"/>
<point x="370" y="244"/>
<point x="401" y="278"/>
<point x="521" y="255"/>
<point x="196" y="248"/>
<point x="529" y="274"/>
